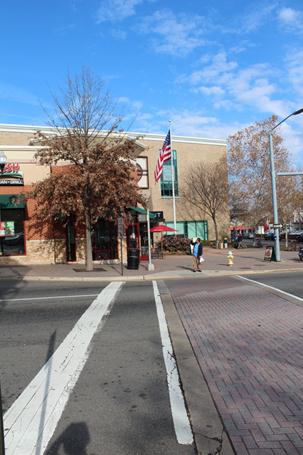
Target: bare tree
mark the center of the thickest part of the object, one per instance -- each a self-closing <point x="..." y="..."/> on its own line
<point x="98" y="181"/>
<point x="206" y="188"/>
<point x="249" y="173"/>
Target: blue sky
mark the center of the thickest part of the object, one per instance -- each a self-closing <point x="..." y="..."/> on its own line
<point x="212" y="67"/>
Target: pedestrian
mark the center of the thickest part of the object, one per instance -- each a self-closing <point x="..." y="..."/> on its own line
<point x="198" y="252"/>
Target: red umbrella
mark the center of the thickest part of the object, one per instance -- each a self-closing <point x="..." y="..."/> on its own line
<point x="162" y="228"/>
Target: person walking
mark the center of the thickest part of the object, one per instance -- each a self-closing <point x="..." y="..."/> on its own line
<point x="197" y="254"/>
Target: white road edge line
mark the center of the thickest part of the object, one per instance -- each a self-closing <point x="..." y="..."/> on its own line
<point x="271" y="287"/>
<point x="49" y="298"/>
<point x="180" y="418"/>
<point x="37" y="403"/>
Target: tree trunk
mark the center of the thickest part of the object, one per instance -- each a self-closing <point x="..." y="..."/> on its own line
<point x="216" y="232"/>
<point x="88" y="244"/>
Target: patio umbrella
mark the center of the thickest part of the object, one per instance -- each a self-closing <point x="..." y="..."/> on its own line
<point x="162" y="228"/>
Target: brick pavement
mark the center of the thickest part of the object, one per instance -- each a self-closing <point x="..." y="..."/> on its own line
<point x="249" y="344"/>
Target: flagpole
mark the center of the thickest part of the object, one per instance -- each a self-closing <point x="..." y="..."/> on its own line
<point x="173" y="178"/>
<point x="151" y="266"/>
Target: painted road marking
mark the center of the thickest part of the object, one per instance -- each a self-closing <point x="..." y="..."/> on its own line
<point x="271" y="287"/>
<point x="45" y="398"/>
<point x="24" y="299"/>
<point x="180" y="418"/>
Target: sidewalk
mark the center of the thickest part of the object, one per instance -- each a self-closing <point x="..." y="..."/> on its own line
<point x="246" y="261"/>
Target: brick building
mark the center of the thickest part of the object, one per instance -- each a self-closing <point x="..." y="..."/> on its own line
<point x="22" y="242"/>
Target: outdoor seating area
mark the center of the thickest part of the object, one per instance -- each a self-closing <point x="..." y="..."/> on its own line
<point x="157" y="252"/>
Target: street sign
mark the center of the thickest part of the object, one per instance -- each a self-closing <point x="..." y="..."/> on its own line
<point x="279" y="226"/>
<point x="120" y="227"/>
<point x="268" y="253"/>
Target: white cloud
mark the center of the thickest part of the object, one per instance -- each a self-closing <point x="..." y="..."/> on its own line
<point x="288" y="15"/>
<point x="134" y="105"/>
<point x="292" y="133"/>
<point x="213" y="90"/>
<point x="238" y="88"/>
<point x="257" y="18"/>
<point x="116" y="10"/>
<point x="174" y="34"/>
<point x="292" y="19"/>
<point x="294" y="64"/>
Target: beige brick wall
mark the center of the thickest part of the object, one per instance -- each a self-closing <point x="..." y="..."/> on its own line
<point x="187" y="155"/>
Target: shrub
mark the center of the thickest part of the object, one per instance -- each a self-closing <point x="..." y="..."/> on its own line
<point x="176" y="245"/>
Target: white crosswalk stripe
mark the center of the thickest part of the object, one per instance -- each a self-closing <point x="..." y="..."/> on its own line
<point x="31" y="421"/>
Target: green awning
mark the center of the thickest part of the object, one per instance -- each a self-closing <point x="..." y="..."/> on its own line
<point x="12" y="201"/>
<point x="142" y="211"/>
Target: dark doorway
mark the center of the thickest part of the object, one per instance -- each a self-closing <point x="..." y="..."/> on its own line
<point x="70" y="241"/>
<point x="105" y="240"/>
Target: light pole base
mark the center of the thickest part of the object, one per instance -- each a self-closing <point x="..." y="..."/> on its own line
<point x="150" y="267"/>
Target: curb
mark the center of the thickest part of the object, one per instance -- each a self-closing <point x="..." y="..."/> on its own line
<point x="170" y="275"/>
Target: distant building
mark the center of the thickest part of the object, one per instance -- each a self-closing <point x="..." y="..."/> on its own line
<point x="21" y="243"/>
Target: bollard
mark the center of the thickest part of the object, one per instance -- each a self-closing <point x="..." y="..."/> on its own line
<point x="230" y="258"/>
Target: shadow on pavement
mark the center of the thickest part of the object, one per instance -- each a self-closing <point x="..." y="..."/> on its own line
<point x="48" y="362"/>
<point x="74" y="440"/>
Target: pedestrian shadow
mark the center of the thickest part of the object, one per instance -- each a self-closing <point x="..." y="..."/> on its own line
<point x="74" y="440"/>
<point x="48" y="363"/>
<point x="185" y="267"/>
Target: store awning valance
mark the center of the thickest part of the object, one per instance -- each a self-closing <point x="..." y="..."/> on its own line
<point x="142" y="211"/>
<point x="12" y="201"/>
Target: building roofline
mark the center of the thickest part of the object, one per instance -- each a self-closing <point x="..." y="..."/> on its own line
<point x="140" y="135"/>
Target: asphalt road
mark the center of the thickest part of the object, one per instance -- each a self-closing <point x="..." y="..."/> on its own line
<point x="290" y="282"/>
<point x="120" y="402"/>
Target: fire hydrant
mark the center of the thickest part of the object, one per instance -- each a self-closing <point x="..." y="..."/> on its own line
<point x="230" y="258"/>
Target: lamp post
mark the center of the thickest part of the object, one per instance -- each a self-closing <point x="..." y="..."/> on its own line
<point x="3" y="160"/>
<point x="274" y="189"/>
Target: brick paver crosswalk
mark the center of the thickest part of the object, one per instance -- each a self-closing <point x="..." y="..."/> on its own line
<point x="249" y="344"/>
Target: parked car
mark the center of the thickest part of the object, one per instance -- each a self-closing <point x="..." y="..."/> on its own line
<point x="269" y="236"/>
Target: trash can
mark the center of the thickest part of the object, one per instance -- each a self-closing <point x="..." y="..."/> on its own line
<point x="133" y="258"/>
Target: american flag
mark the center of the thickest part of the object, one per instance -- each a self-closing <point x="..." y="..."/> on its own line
<point x="165" y="155"/>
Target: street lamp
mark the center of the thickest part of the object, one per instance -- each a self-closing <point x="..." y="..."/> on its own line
<point x="274" y="189"/>
<point x="3" y="160"/>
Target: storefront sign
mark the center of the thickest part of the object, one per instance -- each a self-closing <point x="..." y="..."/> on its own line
<point x="11" y="175"/>
<point x="158" y="215"/>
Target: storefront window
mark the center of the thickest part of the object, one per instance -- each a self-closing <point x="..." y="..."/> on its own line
<point x="190" y="229"/>
<point x="166" y="178"/>
<point x="12" y="232"/>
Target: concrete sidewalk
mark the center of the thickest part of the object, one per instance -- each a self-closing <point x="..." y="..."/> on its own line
<point x="246" y="261"/>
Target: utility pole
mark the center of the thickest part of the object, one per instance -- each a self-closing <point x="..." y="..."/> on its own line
<point x="274" y="189"/>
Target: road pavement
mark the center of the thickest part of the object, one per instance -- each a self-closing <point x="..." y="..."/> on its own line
<point x="237" y="343"/>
